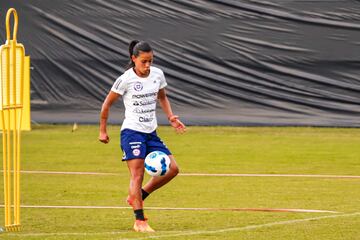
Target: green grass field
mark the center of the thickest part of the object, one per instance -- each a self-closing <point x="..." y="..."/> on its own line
<point x="227" y="150"/>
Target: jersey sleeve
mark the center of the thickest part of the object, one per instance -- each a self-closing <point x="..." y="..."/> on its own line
<point x="119" y="86"/>
<point x="163" y="82"/>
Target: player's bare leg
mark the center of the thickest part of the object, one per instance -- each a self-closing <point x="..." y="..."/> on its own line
<point x="136" y="168"/>
<point x="157" y="182"/>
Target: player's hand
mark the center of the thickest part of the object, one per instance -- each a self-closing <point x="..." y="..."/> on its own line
<point x="177" y="124"/>
<point x="103" y="137"/>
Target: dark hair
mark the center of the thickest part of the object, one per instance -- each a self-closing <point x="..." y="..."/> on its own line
<point x="135" y="47"/>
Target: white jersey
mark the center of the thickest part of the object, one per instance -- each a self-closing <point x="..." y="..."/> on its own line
<point x="140" y="97"/>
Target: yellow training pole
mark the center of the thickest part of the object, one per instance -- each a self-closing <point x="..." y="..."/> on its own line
<point x="12" y="57"/>
<point x="17" y="216"/>
<point x="5" y="172"/>
<point x="8" y="136"/>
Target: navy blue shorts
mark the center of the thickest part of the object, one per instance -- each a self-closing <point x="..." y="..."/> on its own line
<point x="136" y="144"/>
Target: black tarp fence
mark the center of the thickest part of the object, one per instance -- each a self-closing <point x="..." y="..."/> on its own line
<point x="280" y="62"/>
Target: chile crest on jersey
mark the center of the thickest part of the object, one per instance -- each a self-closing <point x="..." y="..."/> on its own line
<point x="138" y="86"/>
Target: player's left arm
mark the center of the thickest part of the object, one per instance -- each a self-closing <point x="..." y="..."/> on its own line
<point x="173" y="119"/>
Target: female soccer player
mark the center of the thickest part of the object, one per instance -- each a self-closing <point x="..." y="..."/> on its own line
<point x="141" y="86"/>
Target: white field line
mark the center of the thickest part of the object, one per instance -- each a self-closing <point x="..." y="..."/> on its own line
<point x="191" y="233"/>
<point x="267" y="175"/>
<point x="71" y="173"/>
<point x="200" y="174"/>
<point x="187" y="209"/>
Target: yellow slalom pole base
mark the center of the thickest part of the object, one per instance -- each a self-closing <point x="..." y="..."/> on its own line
<point x="11" y="228"/>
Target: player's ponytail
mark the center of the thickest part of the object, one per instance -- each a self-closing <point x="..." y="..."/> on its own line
<point x="135" y="47"/>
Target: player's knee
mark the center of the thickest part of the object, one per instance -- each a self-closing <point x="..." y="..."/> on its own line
<point x="137" y="177"/>
<point x="175" y="170"/>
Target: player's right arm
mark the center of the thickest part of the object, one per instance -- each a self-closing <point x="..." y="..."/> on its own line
<point x="104" y="114"/>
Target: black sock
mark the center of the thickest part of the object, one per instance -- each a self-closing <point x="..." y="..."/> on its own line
<point x="139" y="214"/>
<point x="144" y="194"/>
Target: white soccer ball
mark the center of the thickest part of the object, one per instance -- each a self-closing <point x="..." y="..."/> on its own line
<point x="157" y="163"/>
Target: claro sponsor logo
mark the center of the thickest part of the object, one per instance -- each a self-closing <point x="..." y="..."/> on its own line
<point x="145" y="119"/>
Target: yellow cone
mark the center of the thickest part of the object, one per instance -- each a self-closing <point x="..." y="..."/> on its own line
<point x="75" y="127"/>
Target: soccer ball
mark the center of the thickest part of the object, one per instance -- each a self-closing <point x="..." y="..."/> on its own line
<point x="157" y="163"/>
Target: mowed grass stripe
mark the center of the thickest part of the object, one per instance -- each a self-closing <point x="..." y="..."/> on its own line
<point x="198" y="174"/>
<point x="192" y="233"/>
<point x="330" y="151"/>
<point x="249" y="227"/>
<point x="187" y="209"/>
